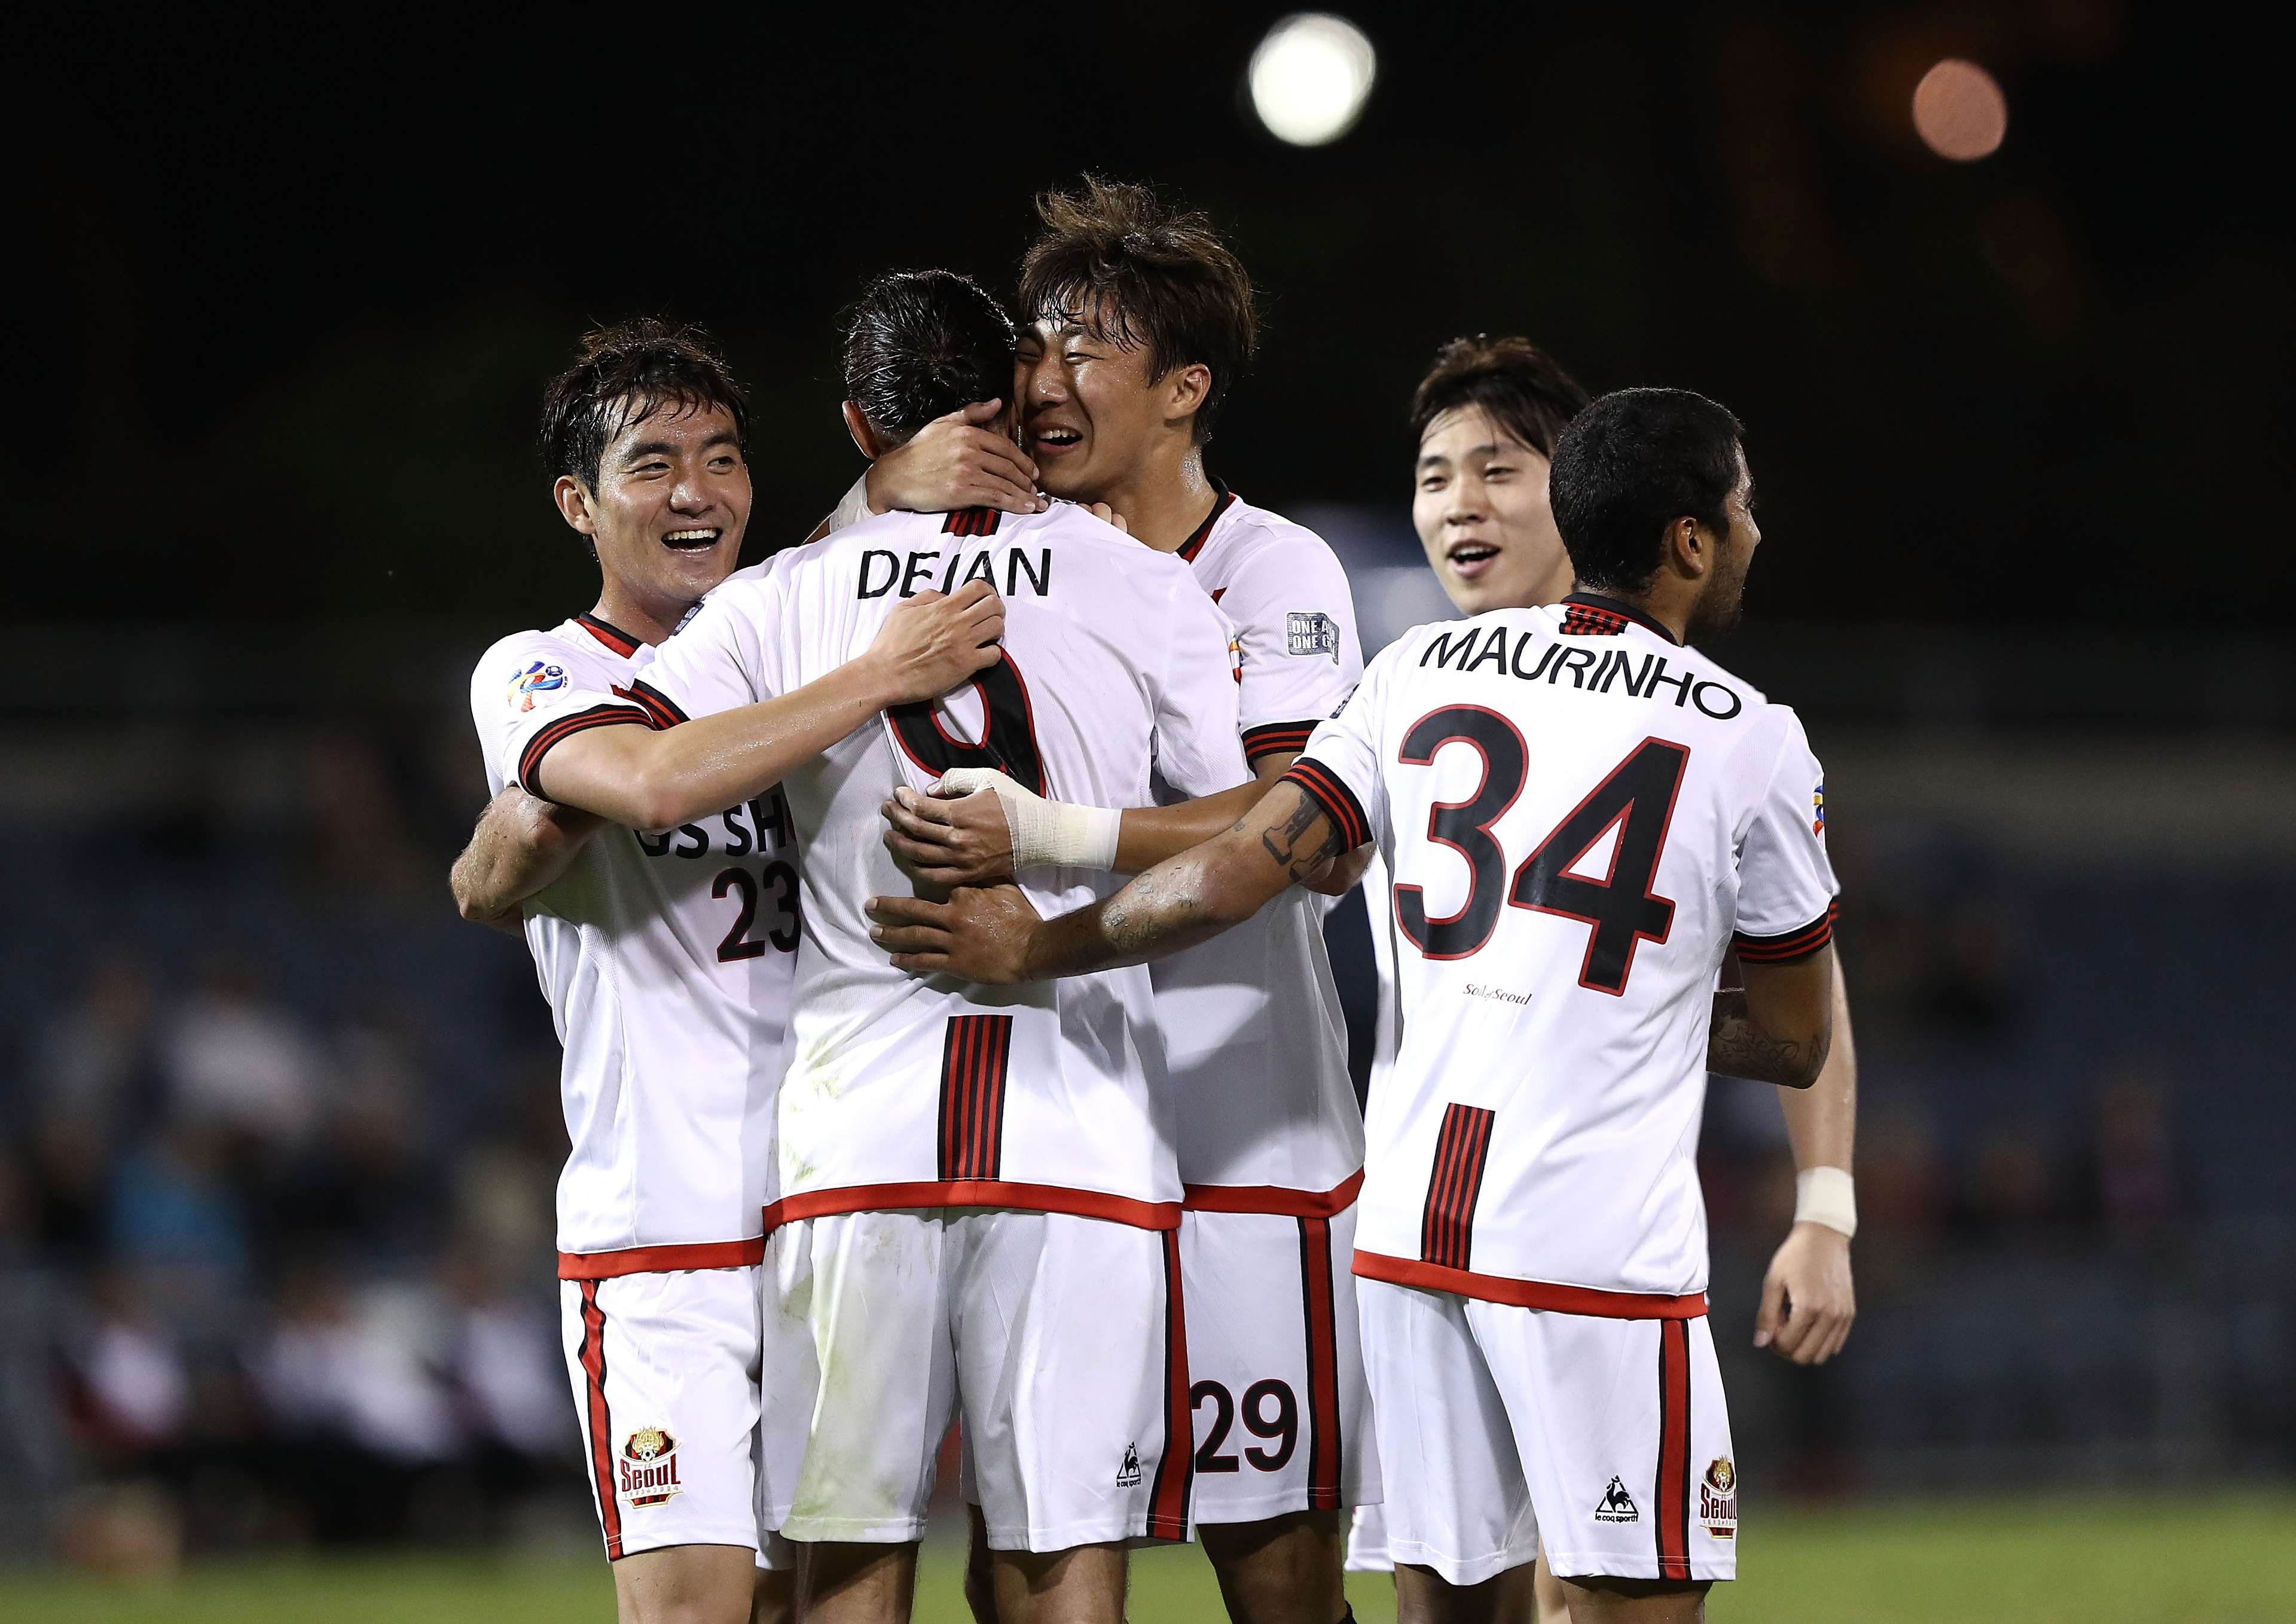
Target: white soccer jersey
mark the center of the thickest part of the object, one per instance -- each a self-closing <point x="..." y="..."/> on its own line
<point x="1581" y="817"/>
<point x="667" y="960"/>
<point x="1252" y="1028"/>
<point x="907" y="1090"/>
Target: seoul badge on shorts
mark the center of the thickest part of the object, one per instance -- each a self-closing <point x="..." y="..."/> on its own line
<point x="1717" y="1500"/>
<point x="648" y="1469"/>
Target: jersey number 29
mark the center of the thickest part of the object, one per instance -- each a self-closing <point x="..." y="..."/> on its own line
<point x="1636" y="797"/>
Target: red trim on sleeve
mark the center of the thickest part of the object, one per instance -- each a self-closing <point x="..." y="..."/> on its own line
<point x="556" y="733"/>
<point x="662" y="710"/>
<point x="1527" y="1293"/>
<point x="1789" y="948"/>
<point x="1273" y="738"/>
<point x="1324" y="788"/>
<point x="973" y="1193"/>
<point x="661" y="1260"/>
<point x="1275" y="1200"/>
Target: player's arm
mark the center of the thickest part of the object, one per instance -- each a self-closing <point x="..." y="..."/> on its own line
<point x="992" y="936"/>
<point x="982" y="836"/>
<point x="1808" y="1297"/>
<point x="1777" y="1026"/>
<point x="520" y="847"/>
<point x="648" y="779"/>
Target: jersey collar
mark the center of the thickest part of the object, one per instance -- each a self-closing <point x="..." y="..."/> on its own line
<point x="613" y="636"/>
<point x="1599" y="606"/>
<point x="1225" y="499"/>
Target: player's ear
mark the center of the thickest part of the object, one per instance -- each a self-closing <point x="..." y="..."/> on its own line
<point x="865" y="438"/>
<point x="1689" y="548"/>
<point x="1189" y="387"/>
<point x="574" y="503"/>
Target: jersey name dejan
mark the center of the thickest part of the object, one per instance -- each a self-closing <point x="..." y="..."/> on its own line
<point x="882" y="569"/>
<point x="1611" y="669"/>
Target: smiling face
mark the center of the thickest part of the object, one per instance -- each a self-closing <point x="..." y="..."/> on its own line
<point x="1480" y="510"/>
<point x="1091" y="412"/>
<point x="672" y="500"/>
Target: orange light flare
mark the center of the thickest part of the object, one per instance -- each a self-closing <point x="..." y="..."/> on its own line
<point x="1959" y="110"/>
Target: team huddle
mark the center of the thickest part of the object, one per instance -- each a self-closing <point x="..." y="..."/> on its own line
<point x="894" y="1103"/>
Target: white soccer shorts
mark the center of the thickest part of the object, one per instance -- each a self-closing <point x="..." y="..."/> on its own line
<point x="1059" y="1340"/>
<point x="1500" y="1425"/>
<point x="665" y="1372"/>
<point x="1367" y="1541"/>
<point x="1282" y="1415"/>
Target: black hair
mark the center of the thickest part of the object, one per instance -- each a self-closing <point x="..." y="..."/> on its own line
<point x="1522" y="388"/>
<point x="624" y="374"/>
<point x="1167" y="281"/>
<point x="922" y="344"/>
<point x="1628" y="466"/>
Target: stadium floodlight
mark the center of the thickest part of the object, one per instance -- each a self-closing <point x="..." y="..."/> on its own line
<point x="1960" y="111"/>
<point x="1310" y="77"/>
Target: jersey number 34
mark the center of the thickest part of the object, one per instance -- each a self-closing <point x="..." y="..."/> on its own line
<point x="1636" y="797"/>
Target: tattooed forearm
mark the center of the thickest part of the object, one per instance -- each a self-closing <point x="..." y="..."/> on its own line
<point x="1736" y="1047"/>
<point x="1282" y="844"/>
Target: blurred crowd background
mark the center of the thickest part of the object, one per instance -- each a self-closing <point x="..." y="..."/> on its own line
<point x="278" y="1132"/>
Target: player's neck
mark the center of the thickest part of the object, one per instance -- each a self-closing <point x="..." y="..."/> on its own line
<point x="1165" y="500"/>
<point x="1666" y="602"/>
<point x="637" y="614"/>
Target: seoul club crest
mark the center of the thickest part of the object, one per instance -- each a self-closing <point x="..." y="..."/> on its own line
<point x="1717" y="1499"/>
<point x="649" y="1467"/>
<point x="540" y="677"/>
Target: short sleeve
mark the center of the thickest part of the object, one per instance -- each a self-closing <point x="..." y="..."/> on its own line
<point x="1340" y="770"/>
<point x="1197" y="750"/>
<point x="1300" y="656"/>
<point x="715" y="661"/>
<point x="528" y="698"/>
<point x="1786" y="888"/>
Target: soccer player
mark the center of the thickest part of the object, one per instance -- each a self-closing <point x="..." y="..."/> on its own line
<point x="1485" y="420"/>
<point x="667" y="956"/>
<point x="974" y="1199"/>
<point x="1583" y="816"/>
<point x="1143" y="323"/>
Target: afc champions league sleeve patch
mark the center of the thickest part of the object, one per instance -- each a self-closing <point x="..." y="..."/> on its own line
<point x="648" y="1467"/>
<point x="540" y="677"/>
<point x="1311" y="631"/>
<point x="1817" y="810"/>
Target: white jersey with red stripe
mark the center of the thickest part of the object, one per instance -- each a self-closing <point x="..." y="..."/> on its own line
<point x="908" y="1091"/>
<point x="667" y="960"/>
<point x="1259" y="1048"/>
<point x="1581" y="817"/>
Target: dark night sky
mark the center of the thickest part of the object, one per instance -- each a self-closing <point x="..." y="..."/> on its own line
<point x="294" y="289"/>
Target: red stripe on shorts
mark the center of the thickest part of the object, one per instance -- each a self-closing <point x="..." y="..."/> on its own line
<point x="1671" y="1511"/>
<point x="1176" y="1472"/>
<point x="1316" y="1292"/>
<point x="601" y="1419"/>
<point x="975" y="1058"/>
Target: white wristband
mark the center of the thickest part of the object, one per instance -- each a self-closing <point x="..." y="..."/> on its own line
<point x="1045" y="834"/>
<point x="855" y="506"/>
<point x="1827" y="1196"/>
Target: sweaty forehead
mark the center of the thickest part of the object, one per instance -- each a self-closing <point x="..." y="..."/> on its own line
<point x="1467" y="432"/>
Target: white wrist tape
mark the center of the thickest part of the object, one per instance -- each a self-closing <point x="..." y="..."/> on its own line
<point x="1827" y="1196"/>
<point x="855" y="506"/>
<point x="1045" y="834"/>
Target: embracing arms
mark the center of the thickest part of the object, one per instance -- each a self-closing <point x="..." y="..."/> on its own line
<point x="645" y="779"/>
